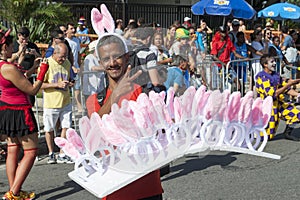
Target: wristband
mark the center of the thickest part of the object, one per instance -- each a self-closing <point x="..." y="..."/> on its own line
<point x="43" y="69"/>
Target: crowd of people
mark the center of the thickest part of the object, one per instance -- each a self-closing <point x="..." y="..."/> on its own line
<point x="137" y="58"/>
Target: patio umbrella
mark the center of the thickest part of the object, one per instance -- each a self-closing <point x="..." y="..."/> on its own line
<point x="281" y="11"/>
<point x="236" y="8"/>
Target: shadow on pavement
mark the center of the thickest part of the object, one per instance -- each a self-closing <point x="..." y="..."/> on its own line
<point x="194" y="163"/>
<point x="69" y="188"/>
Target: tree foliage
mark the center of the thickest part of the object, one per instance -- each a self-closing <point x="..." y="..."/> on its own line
<point x="40" y="16"/>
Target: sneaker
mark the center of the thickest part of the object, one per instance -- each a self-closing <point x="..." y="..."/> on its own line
<point x="10" y="196"/>
<point x="27" y="195"/>
<point x="64" y="159"/>
<point x="51" y="159"/>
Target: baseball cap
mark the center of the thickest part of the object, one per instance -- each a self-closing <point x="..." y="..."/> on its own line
<point x="187" y="19"/>
<point x="268" y="24"/>
<point x="80" y="22"/>
<point x="235" y="22"/>
<point x="182" y="33"/>
<point x="24" y="31"/>
<point x="93" y="45"/>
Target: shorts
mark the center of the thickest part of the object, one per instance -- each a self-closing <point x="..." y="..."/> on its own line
<point x="17" y="120"/>
<point x="51" y="116"/>
<point x="77" y="82"/>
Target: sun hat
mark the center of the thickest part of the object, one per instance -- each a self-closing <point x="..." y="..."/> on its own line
<point x="182" y="33"/>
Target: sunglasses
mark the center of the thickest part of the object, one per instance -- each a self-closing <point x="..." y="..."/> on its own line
<point x="60" y="38"/>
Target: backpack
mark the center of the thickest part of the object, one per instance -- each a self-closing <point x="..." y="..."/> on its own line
<point x="136" y="65"/>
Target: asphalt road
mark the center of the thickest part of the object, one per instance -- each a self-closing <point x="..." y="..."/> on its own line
<point x="209" y="176"/>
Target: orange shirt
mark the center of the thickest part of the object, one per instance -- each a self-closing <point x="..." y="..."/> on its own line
<point x="147" y="186"/>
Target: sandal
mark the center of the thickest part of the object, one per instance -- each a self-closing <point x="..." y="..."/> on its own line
<point x="2" y="155"/>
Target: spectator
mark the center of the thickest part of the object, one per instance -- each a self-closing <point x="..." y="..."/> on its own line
<point x="141" y="21"/>
<point x="143" y="58"/>
<point x="175" y="76"/>
<point x="270" y="26"/>
<point x="204" y="30"/>
<point x="75" y="46"/>
<point x="17" y="123"/>
<point x="57" y="100"/>
<point x="288" y="47"/>
<point x="57" y="36"/>
<point x="31" y="53"/>
<point x="242" y="27"/>
<point x="161" y="52"/>
<point x="119" y="27"/>
<point x="259" y="45"/>
<point x="234" y="31"/>
<point x="82" y="29"/>
<point x="222" y="47"/>
<point x="187" y="22"/>
<point x="113" y="55"/>
<point x="170" y="37"/>
<point x="275" y="51"/>
<point x="268" y="36"/>
<point x="269" y="83"/>
<point x="242" y="48"/>
<point x="129" y="34"/>
<point x="92" y="82"/>
<point x="182" y="47"/>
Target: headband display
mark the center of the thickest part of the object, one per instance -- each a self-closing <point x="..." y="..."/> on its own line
<point x="104" y="25"/>
<point x="144" y="135"/>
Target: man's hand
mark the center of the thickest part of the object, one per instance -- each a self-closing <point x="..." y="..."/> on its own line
<point x="63" y="84"/>
<point x="125" y="85"/>
<point x="293" y="81"/>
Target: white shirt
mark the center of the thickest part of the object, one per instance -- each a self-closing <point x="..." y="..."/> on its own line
<point x="75" y="47"/>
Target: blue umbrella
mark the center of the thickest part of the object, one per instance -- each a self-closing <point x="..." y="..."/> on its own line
<point x="236" y="8"/>
<point x="281" y="11"/>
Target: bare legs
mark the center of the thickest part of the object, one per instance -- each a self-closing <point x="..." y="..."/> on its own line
<point x="17" y="173"/>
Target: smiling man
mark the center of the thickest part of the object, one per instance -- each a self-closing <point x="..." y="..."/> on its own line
<point x="270" y="83"/>
<point x="113" y="55"/>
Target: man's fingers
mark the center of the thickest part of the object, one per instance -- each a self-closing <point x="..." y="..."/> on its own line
<point x="134" y="76"/>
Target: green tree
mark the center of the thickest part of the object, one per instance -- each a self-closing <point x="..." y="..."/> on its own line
<point x="40" y="16"/>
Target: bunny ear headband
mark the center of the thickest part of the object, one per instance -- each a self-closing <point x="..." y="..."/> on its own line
<point x="3" y="39"/>
<point x="102" y="21"/>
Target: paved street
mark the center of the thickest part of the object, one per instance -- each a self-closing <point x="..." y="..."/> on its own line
<point x="212" y="175"/>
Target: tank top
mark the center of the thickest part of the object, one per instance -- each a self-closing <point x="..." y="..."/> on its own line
<point x="9" y="92"/>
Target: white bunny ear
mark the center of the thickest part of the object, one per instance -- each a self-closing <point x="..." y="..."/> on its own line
<point x="108" y="21"/>
<point x="102" y="21"/>
<point x="96" y="18"/>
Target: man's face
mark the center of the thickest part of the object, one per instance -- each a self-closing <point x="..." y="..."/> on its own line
<point x="59" y="39"/>
<point x="271" y="64"/>
<point x="23" y="38"/>
<point x="63" y="29"/>
<point x="71" y="30"/>
<point x="113" y="59"/>
<point x="60" y="56"/>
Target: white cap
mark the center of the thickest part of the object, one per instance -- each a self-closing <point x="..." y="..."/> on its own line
<point x="235" y="22"/>
<point x="187" y="19"/>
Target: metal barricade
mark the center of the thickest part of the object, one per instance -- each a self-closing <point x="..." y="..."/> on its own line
<point x="211" y="73"/>
<point x="244" y="72"/>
